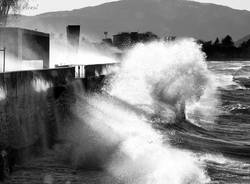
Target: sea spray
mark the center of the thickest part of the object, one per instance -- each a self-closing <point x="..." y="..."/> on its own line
<point x="205" y="111"/>
<point x="167" y="77"/>
<point x="88" y="53"/>
<point x="109" y="132"/>
<point x="3" y="93"/>
<point x="40" y="85"/>
<point x="125" y="144"/>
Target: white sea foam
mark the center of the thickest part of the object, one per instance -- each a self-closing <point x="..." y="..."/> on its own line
<point x="168" y="75"/>
<point x="131" y="149"/>
<point x="163" y="77"/>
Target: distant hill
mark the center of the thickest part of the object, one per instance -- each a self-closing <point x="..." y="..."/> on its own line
<point x="244" y="39"/>
<point x="163" y="17"/>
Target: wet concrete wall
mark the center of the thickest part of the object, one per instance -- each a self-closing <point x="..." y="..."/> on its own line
<point x="27" y="105"/>
<point x="36" y="107"/>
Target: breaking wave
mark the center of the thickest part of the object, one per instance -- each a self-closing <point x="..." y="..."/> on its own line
<point x="114" y="130"/>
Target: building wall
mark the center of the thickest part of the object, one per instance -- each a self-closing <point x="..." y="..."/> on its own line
<point x="22" y="44"/>
<point x="10" y="42"/>
<point x="36" y="47"/>
<point x="122" y="40"/>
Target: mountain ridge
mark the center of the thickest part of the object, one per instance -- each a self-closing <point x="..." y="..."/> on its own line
<point x="172" y="17"/>
<point x="244" y="39"/>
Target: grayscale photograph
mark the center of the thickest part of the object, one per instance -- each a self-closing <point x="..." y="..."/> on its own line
<point x="125" y="92"/>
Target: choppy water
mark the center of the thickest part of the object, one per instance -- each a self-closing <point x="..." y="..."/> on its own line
<point x="229" y="135"/>
<point x="224" y="144"/>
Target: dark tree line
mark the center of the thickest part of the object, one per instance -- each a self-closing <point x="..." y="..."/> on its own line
<point x="226" y="49"/>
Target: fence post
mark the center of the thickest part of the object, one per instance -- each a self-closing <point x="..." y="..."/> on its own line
<point x="4" y="49"/>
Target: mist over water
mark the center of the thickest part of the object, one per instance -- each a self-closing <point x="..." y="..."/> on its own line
<point x="111" y="132"/>
<point x="87" y="53"/>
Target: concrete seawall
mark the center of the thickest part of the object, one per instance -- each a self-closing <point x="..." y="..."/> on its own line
<point x="35" y="107"/>
<point x="26" y="111"/>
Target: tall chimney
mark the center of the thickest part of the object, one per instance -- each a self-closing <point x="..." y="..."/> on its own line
<point x="73" y="35"/>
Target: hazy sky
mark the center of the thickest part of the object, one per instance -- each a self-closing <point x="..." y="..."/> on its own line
<point x="57" y="5"/>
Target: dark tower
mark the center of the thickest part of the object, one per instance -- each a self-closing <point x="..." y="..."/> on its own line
<point x="73" y="35"/>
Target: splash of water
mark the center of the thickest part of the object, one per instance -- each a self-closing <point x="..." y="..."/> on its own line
<point x="40" y="85"/>
<point x="163" y="77"/>
<point x="3" y="93"/>
<point x="129" y="148"/>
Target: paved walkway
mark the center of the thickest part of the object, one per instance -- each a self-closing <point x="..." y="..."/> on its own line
<point x="49" y="170"/>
